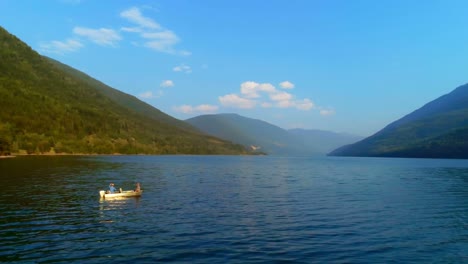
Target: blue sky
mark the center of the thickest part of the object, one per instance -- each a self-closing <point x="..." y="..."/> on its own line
<point x="341" y="65"/>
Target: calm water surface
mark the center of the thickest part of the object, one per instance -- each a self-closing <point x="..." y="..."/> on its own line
<point x="217" y="209"/>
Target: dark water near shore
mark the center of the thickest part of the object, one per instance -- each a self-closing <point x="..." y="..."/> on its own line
<point x="216" y="209"/>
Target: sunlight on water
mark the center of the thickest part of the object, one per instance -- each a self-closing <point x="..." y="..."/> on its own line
<point x="203" y="209"/>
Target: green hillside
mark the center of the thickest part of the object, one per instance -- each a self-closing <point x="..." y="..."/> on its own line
<point x="436" y="130"/>
<point x="449" y="145"/>
<point x="121" y="98"/>
<point x="48" y="107"/>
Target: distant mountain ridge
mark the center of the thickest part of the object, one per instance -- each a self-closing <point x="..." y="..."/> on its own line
<point x="48" y="107"/>
<point x="439" y="129"/>
<point x="246" y="131"/>
<point x="322" y="141"/>
<point x="269" y="138"/>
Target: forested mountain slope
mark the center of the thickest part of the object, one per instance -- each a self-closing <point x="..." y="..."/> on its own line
<point x="49" y="107"/>
<point x="439" y="129"/>
<point x="123" y="99"/>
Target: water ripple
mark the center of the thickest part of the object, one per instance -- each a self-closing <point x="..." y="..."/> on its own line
<point x="199" y="209"/>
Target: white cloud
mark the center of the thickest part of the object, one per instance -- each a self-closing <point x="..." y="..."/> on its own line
<point x="234" y="100"/>
<point x="167" y="83"/>
<point x="155" y="36"/>
<point x="266" y="87"/>
<point x="132" y="29"/>
<point x="265" y="95"/>
<point x="285" y="104"/>
<point x="204" y="108"/>
<point x="327" y="112"/>
<point x="166" y="35"/>
<point x="287" y="85"/>
<point x="285" y="101"/>
<point x="162" y="41"/>
<point x="251" y="89"/>
<point x="102" y="36"/>
<point x="150" y="95"/>
<point x="304" y="104"/>
<point x="160" y="45"/>
<point x="281" y="96"/>
<point x="146" y="95"/>
<point x="134" y="15"/>
<point x="186" y="109"/>
<point x="60" y="47"/>
<point x="248" y="89"/>
<point x="182" y="68"/>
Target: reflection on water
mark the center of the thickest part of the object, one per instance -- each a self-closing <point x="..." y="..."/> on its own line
<point x="110" y="209"/>
<point x="233" y="209"/>
<point x="118" y="202"/>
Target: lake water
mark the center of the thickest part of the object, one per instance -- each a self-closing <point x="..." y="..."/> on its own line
<point x="218" y="209"/>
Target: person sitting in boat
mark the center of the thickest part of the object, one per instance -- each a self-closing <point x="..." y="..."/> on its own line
<point x="137" y="189"/>
<point x="111" y="188"/>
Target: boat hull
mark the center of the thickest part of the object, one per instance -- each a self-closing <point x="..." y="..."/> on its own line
<point x="103" y="194"/>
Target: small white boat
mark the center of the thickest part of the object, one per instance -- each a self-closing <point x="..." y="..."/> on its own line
<point x="103" y="194"/>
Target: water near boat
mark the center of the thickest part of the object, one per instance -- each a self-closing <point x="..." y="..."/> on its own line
<point x="219" y="209"/>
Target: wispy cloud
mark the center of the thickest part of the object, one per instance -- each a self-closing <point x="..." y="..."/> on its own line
<point x="134" y="15"/>
<point x="60" y="47"/>
<point x="151" y="95"/>
<point x="234" y="100"/>
<point x="161" y="41"/>
<point x="159" y="93"/>
<point x="304" y="104"/>
<point x="101" y="36"/>
<point x="167" y="83"/>
<point x="154" y="36"/>
<point x="182" y="68"/>
<point x="131" y="29"/>
<point x="200" y="109"/>
<point x="327" y="111"/>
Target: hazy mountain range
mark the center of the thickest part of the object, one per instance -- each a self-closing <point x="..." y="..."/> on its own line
<point x="265" y="137"/>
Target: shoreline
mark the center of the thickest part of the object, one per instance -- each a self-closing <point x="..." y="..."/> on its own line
<point x="16" y="155"/>
<point x="60" y="154"/>
<point x="7" y="157"/>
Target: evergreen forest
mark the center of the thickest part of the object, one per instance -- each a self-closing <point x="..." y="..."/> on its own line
<point x="50" y="108"/>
